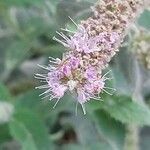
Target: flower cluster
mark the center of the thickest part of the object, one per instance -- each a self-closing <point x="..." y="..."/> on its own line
<point x="71" y="74"/>
<point x="141" y="47"/>
<point x="90" y="49"/>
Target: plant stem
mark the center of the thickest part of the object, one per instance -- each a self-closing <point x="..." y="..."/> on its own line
<point x="132" y="130"/>
<point x="132" y="137"/>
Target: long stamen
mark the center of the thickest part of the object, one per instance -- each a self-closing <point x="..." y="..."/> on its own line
<point x="62" y="35"/>
<point x="54" y="62"/>
<point x="44" y="67"/>
<point x="43" y="81"/>
<point x="47" y="91"/>
<point x="61" y="42"/>
<point x="83" y="108"/>
<point x="47" y="96"/>
<point x="110" y="88"/>
<point x="56" y="103"/>
<point x="76" y="110"/>
<point x="52" y="97"/>
<point x="42" y="87"/>
<point x="107" y="79"/>
<point x="106" y="74"/>
<point x="95" y="98"/>
<point x="73" y="21"/>
<point x="67" y="30"/>
<point x="106" y="92"/>
<point x="52" y="58"/>
<point x="39" y="78"/>
<point x="41" y="75"/>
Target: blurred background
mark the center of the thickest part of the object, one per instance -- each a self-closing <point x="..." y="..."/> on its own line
<point x="120" y="122"/>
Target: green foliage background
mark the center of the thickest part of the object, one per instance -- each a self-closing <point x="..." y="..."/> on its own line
<point x="26" y="31"/>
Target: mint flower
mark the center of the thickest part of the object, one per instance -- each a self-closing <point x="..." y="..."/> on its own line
<point x="89" y="50"/>
<point x="69" y="74"/>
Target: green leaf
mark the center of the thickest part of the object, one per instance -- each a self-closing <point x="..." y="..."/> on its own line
<point x="15" y="54"/>
<point x="122" y="108"/>
<point x="144" y="19"/>
<point x="35" y="25"/>
<point x="4" y="134"/>
<point x="28" y="129"/>
<point x="93" y="146"/>
<point x="120" y="83"/>
<point x="20" y="133"/>
<point x="4" y="93"/>
<point x="86" y="129"/>
<point x="31" y="100"/>
<point x="52" y="6"/>
<point x="28" y="100"/>
<point x="110" y="130"/>
<point x="21" y="2"/>
<point x="126" y="73"/>
<point x="74" y="9"/>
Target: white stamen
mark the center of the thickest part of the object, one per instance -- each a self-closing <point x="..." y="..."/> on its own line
<point x="47" y="91"/>
<point x="106" y="74"/>
<point x="44" y="67"/>
<point x="43" y="81"/>
<point x="73" y="21"/>
<point x="109" y="88"/>
<point x="42" y="87"/>
<point x="76" y="110"/>
<point x="41" y="75"/>
<point x="54" y="59"/>
<point x="46" y="96"/>
<point x="52" y="97"/>
<point x="62" y="35"/>
<point x="39" y="78"/>
<point x="54" y="62"/>
<point x="61" y="42"/>
<point x="83" y="108"/>
<point x="106" y="92"/>
<point x="107" y="79"/>
<point x="95" y="98"/>
<point x="67" y="30"/>
<point x="56" y="103"/>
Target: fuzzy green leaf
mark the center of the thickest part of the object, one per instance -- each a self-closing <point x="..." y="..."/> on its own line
<point x="113" y="132"/>
<point x="122" y="108"/>
<point x="4" y="93"/>
<point x="28" y="129"/>
<point x="94" y="146"/>
<point x="16" y="53"/>
<point x="21" y="3"/>
<point x="144" y="19"/>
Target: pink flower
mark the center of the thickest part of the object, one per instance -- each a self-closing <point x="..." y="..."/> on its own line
<point x="90" y="49"/>
<point x="82" y="42"/>
<point x="58" y="90"/>
<point x="82" y="96"/>
<point x="94" y="86"/>
<point x="74" y="62"/>
<point x="91" y="74"/>
<point x="54" y="76"/>
<point x="66" y="69"/>
<point x="71" y="64"/>
<point x="114" y="38"/>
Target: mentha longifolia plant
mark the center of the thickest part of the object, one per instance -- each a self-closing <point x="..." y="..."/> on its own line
<point x="89" y="50"/>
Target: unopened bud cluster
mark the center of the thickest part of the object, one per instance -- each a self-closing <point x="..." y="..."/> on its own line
<point x="141" y="47"/>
